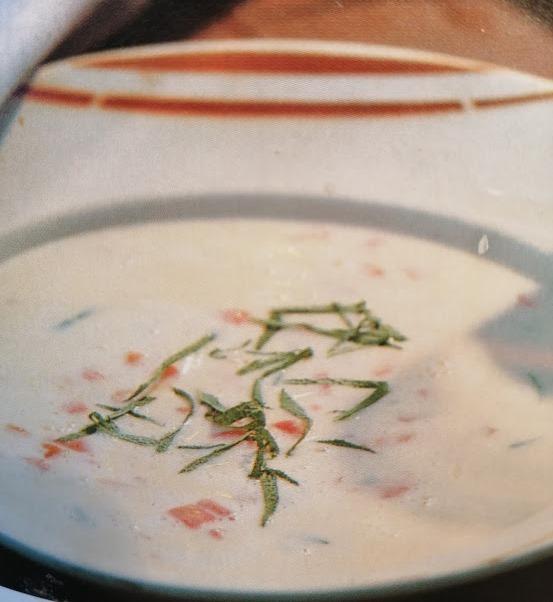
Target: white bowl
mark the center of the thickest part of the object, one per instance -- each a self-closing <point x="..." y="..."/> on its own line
<point x="435" y="147"/>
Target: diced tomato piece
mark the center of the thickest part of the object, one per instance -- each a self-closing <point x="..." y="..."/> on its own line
<point x="75" y="407"/>
<point x="39" y="463"/>
<point x="526" y="301"/>
<point x="373" y="270"/>
<point x="216" y="533"/>
<point x="384" y="370"/>
<point x="407" y="419"/>
<point x="170" y="371"/>
<point x="200" y="513"/>
<point x="92" y="375"/>
<point x="324" y="388"/>
<point x="215" y="508"/>
<point x="192" y="515"/>
<point x="412" y="274"/>
<point x="13" y="428"/>
<point x="229" y="434"/>
<point x="51" y="450"/>
<point x="238" y="317"/>
<point x="77" y="445"/>
<point x="375" y="241"/>
<point x="134" y="357"/>
<point x="290" y="427"/>
<point x="392" y="491"/>
<point x="120" y="395"/>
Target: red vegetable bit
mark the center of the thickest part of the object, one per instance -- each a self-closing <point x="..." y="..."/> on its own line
<point x="526" y="301"/>
<point x="200" y="513"/>
<point x="324" y="388"/>
<point x="216" y="509"/>
<point x="120" y="396"/>
<point x="133" y="357"/>
<point x="290" y="427"/>
<point x="313" y="234"/>
<point x="75" y="407"/>
<point x="379" y="441"/>
<point x="216" y="533"/>
<point x="238" y="317"/>
<point x="392" y="491"/>
<point x="13" y="428"/>
<point x="192" y="515"/>
<point x="51" y="450"/>
<point x="412" y="273"/>
<point x="229" y="434"/>
<point x="39" y="463"/>
<point x="375" y="241"/>
<point x="373" y="270"/>
<point x="77" y="445"/>
<point x="406" y="419"/>
<point x="405" y="437"/>
<point x="170" y="372"/>
<point x="384" y="370"/>
<point x="92" y="375"/>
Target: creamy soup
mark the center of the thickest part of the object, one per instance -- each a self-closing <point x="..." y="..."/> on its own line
<point x="348" y="405"/>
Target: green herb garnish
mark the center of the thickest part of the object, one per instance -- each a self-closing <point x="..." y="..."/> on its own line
<point x="356" y="327"/>
<point x="172" y="359"/>
<point x="348" y="444"/>
<point x="290" y="405"/>
<point x="277" y="361"/>
<point x="380" y="387"/>
<point x="367" y="330"/>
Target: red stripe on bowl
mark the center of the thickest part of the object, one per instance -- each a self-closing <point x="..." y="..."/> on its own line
<point x="491" y="103"/>
<point x="227" y="108"/>
<point x="270" y="62"/>
<point x="59" y="96"/>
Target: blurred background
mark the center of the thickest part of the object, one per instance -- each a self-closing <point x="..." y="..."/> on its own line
<point x="514" y="33"/>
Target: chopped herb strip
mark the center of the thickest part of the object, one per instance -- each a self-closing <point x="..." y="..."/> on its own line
<point x="222" y="354"/>
<point x="277" y="361"/>
<point x="537" y="383"/>
<point x="132" y="413"/>
<point x="269" y="489"/>
<point x="87" y="430"/>
<point x="130" y="407"/>
<point x="187" y="398"/>
<point x="246" y="409"/>
<point x="283" y="476"/>
<point x="179" y="355"/>
<point x="290" y="405"/>
<point x="201" y="446"/>
<point x="380" y="387"/>
<point x="266" y="442"/>
<point x="68" y="322"/>
<point x="213" y="404"/>
<point x="342" y="443"/>
<point x="216" y="452"/>
<point x="257" y="393"/>
<point x="167" y="440"/>
<point x="523" y="443"/>
<point x="109" y="428"/>
<point x="368" y="331"/>
<point x="380" y="391"/>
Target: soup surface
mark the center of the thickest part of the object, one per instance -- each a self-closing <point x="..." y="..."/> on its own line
<point x="320" y="445"/>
